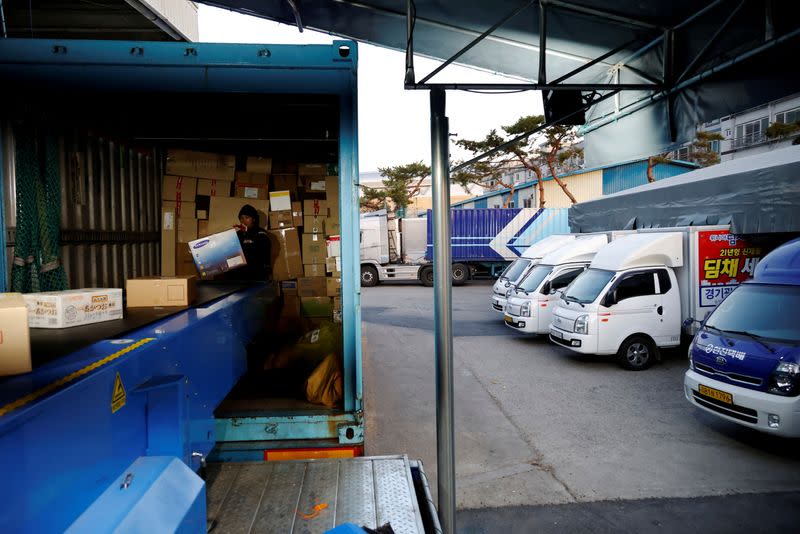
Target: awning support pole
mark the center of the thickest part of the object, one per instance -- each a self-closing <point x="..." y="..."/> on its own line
<point x="442" y="309"/>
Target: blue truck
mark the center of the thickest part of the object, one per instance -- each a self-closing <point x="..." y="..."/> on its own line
<point x="744" y="361"/>
<point x="135" y="424"/>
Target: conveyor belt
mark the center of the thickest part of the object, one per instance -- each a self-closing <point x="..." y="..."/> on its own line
<point x="312" y="496"/>
<point x="48" y="344"/>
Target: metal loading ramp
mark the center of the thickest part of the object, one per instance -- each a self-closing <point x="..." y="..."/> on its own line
<point x="367" y="491"/>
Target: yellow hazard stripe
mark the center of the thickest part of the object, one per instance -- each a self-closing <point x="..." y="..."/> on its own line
<point x="49" y="388"/>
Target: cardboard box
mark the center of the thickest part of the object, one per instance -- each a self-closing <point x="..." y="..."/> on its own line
<point x="291" y="306"/>
<point x="184" y="260"/>
<point x="186" y="230"/>
<point x="217" y="253"/>
<point x="334" y="265"/>
<point x="160" y="291"/>
<point x="284" y="167"/>
<point x="334" y="246"/>
<point x="312" y="286"/>
<point x="285" y="182"/>
<point x="332" y="187"/>
<point x="297" y="213"/>
<point x="312" y="169"/>
<point x="224" y="212"/>
<point x="286" y="261"/>
<point x="178" y="188"/>
<point x="316" y="208"/>
<point x="334" y="286"/>
<point x="259" y="164"/>
<point x="280" y="200"/>
<point x="289" y="288"/>
<point x="313" y="225"/>
<point x="314" y="270"/>
<point x="280" y="219"/>
<point x="179" y="210"/>
<point x="254" y="178"/>
<point x="314" y="184"/>
<point x="337" y="303"/>
<point x="74" y="307"/>
<point x="202" y="229"/>
<point x="314" y="250"/>
<point x="168" y="232"/>
<point x="213" y="188"/>
<point x="201" y="164"/>
<point x="251" y="191"/>
<point x="316" y="306"/>
<point x="15" y="343"/>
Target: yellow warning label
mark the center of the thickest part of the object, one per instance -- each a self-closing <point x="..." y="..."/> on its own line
<point x="118" y="399"/>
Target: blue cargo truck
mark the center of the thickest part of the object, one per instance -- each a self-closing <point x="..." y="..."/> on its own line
<point x="165" y="420"/>
<point x="744" y="361"/>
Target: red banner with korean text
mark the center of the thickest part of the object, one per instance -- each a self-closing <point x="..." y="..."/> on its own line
<point x="726" y="260"/>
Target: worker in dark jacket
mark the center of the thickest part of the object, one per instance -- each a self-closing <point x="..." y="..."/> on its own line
<point x="255" y="245"/>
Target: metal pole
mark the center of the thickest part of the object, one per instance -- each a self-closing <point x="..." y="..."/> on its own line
<point x="442" y="309"/>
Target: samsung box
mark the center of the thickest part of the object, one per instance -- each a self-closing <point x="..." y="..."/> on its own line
<point x="217" y="253"/>
<point x="15" y="344"/>
<point x="160" y="291"/>
<point x="74" y="307"/>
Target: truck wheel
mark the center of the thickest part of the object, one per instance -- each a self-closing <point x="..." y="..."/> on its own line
<point x="460" y="274"/>
<point x="369" y="276"/>
<point x="426" y="276"/>
<point x="637" y="353"/>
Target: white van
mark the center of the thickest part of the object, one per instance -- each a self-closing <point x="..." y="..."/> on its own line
<point x="635" y="295"/>
<point x="520" y="267"/>
<point x="529" y="307"/>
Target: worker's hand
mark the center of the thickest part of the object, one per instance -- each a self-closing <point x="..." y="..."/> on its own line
<point x="240" y="227"/>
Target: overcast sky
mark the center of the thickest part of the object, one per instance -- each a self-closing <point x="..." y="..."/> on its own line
<point x="394" y="124"/>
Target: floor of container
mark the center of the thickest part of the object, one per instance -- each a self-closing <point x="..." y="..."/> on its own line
<point x="312" y="496"/>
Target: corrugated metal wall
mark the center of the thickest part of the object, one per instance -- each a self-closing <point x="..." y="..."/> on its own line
<point x="110" y="210"/>
<point x="583" y="186"/>
<point x="634" y="174"/>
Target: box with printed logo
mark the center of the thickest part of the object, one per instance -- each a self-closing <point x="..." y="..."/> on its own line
<point x="74" y="307"/>
<point x="217" y="253"/>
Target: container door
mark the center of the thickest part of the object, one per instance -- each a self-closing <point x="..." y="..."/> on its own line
<point x="636" y="309"/>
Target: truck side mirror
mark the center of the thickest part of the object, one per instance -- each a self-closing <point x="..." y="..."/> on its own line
<point x="546" y="289"/>
<point x="610" y="298"/>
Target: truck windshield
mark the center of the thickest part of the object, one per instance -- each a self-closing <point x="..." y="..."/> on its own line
<point x="587" y="286"/>
<point x="535" y="277"/>
<point x="516" y="268"/>
<point x="760" y="310"/>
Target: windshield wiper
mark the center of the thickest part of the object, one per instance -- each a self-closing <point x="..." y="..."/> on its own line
<point x="570" y="298"/>
<point x="755" y="337"/>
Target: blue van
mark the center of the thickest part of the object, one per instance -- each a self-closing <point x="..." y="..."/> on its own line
<point x="744" y="362"/>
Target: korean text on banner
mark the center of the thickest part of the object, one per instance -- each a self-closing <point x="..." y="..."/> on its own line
<point x="726" y="260"/>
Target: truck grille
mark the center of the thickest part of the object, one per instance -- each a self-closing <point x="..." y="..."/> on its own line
<point x="563" y="323"/>
<point x="735" y="377"/>
<point x="748" y="415"/>
<point x="512" y="309"/>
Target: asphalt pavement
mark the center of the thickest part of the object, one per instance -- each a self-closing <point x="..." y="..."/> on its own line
<point x="550" y="440"/>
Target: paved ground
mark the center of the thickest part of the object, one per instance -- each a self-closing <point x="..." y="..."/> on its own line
<point x="539" y="425"/>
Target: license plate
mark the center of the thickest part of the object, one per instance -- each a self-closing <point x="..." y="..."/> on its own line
<point x="509" y="320"/>
<point x="722" y="396"/>
<point x="556" y="333"/>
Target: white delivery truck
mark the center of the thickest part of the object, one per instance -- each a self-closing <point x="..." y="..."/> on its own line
<point x="522" y="266"/>
<point x="640" y="288"/>
<point x="529" y="307"/>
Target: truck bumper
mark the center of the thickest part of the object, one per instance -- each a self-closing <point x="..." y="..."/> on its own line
<point x="749" y="408"/>
<point x="498" y="303"/>
<point x="526" y="325"/>
<point x="583" y="343"/>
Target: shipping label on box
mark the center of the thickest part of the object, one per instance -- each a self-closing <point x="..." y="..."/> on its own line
<point x="213" y="188"/>
<point x="251" y="191"/>
<point x="285" y="182"/>
<point x="280" y="201"/>
<point x="313" y="225"/>
<point x="259" y="164"/>
<point x="314" y="184"/>
<point x="15" y="344"/>
<point x="201" y="164"/>
<point x="312" y="169"/>
<point x="253" y="178"/>
<point x="179" y="188"/>
<point x="316" y="208"/>
<point x="280" y="219"/>
<point x="224" y="212"/>
<point x="334" y="246"/>
<point x="314" y="270"/>
<point x="286" y="261"/>
<point x="74" y="307"/>
<point x="314" y="249"/>
<point x="316" y="306"/>
<point x="334" y="286"/>
<point x="297" y="213"/>
<point x="313" y="286"/>
<point x="217" y="253"/>
<point x="289" y="287"/>
<point x="160" y="291"/>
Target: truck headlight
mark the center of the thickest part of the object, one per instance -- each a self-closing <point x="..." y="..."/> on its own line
<point x="689" y="354"/>
<point x="785" y="379"/>
<point x="525" y="309"/>
<point x="582" y="324"/>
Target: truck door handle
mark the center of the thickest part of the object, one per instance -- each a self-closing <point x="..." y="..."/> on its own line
<point x="660" y="310"/>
